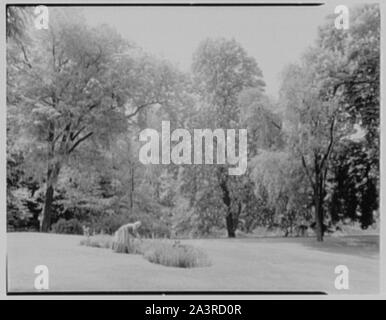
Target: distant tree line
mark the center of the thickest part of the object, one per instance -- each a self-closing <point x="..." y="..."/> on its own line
<point x="77" y="98"/>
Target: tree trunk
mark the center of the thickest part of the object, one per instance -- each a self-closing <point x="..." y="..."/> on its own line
<point x="229" y="219"/>
<point x="230" y="225"/>
<point x="52" y="174"/>
<point x="318" y="196"/>
<point x="132" y="188"/>
<point x="46" y="219"/>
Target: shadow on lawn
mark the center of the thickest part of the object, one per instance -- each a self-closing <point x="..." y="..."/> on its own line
<point x="358" y="245"/>
<point x="363" y="245"/>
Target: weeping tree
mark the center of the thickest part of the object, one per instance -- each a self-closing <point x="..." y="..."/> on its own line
<point x="280" y="182"/>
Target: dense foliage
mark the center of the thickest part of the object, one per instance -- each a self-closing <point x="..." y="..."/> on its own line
<point x="77" y="98"/>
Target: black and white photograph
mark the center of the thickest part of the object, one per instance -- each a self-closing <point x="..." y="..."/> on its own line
<point x="214" y="148"/>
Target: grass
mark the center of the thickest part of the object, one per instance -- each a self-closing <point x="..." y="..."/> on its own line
<point x="237" y="265"/>
<point x="164" y="252"/>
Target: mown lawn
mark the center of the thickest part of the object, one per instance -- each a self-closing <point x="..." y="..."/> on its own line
<point x="264" y="264"/>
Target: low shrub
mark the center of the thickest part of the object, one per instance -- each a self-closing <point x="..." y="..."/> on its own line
<point x="175" y="255"/>
<point x="72" y="226"/>
<point x="98" y="241"/>
<point x="132" y="246"/>
<point x="165" y="252"/>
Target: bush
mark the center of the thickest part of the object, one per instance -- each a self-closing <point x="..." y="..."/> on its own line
<point x="98" y="241"/>
<point x="165" y="252"/>
<point x="133" y="246"/>
<point x="72" y="226"/>
<point x="22" y="211"/>
<point x="176" y="255"/>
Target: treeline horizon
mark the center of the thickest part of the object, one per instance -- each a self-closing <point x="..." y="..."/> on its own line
<point x="78" y="97"/>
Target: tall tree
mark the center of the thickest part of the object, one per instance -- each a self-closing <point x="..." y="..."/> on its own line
<point x="356" y="75"/>
<point x="356" y="72"/>
<point x="316" y="121"/>
<point x="70" y="91"/>
<point x="221" y="70"/>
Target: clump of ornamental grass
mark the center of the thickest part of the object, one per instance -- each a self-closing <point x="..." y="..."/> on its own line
<point x="176" y="255"/>
<point x="164" y="252"/>
<point x="98" y="241"/>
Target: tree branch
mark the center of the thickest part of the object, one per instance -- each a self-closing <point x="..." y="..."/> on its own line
<point x="59" y="134"/>
<point x="26" y="61"/>
<point x="142" y="107"/>
<point x="327" y="154"/>
<point x="275" y="124"/>
<point x="74" y="135"/>
<point x="79" y="141"/>
<point x="307" y="171"/>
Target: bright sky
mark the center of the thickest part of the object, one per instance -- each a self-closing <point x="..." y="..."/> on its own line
<point x="274" y="36"/>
